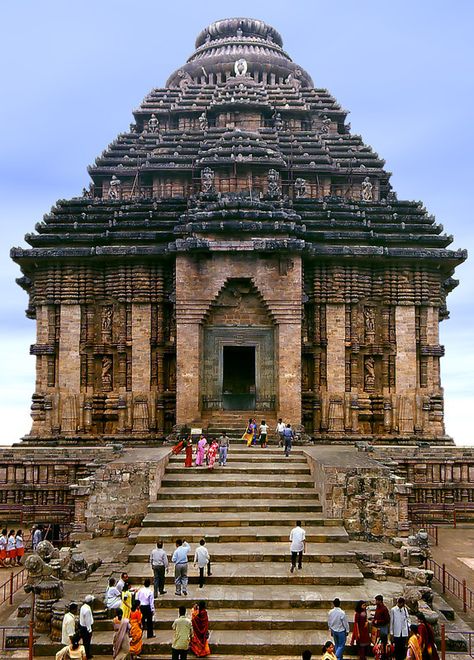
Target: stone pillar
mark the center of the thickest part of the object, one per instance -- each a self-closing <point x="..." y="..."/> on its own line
<point x="336" y="348"/>
<point x="69" y="368"/>
<point x="405" y="364"/>
<point x="432" y="338"/>
<point x="187" y="369"/>
<point x="141" y="351"/>
<point x="289" y="372"/>
<point x="42" y="336"/>
<point x="406" y="368"/>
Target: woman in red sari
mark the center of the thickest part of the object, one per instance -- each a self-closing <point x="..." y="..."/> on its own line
<point x="188" y="461"/>
<point x="211" y="454"/>
<point x="199" y="643"/>
<point x="426" y="637"/>
<point x="360" y="634"/>
<point x="178" y="447"/>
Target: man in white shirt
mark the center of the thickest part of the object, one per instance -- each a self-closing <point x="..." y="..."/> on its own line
<point x="400" y="628"/>
<point x="280" y="427"/>
<point x="338" y="627"/>
<point x="86" y="621"/>
<point x="297" y="545"/>
<point x="202" y="559"/>
<point x="69" y="624"/>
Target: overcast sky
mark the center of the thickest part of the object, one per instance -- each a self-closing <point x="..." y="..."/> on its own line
<point x="72" y="72"/>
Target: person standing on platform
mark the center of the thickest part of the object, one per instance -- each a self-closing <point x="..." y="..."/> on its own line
<point x="37" y="537"/>
<point x="86" y="621"/>
<point x="248" y="435"/>
<point x="381" y="619"/>
<point x="188" y="460"/>
<point x="360" y="633"/>
<point x="180" y="561"/>
<point x="147" y="606"/>
<point x="339" y="627"/>
<point x="182" y="635"/>
<point x="11" y="548"/>
<point x="224" y="445"/>
<point x="20" y="546"/>
<point x="202" y="560"/>
<point x="297" y="545"/>
<point x="201" y="450"/>
<point x="3" y="547"/>
<point x="280" y="427"/>
<point x="400" y="628"/>
<point x="69" y="624"/>
<point x="288" y="436"/>
<point x="121" y="581"/>
<point x="263" y="434"/>
<point x="159" y="564"/>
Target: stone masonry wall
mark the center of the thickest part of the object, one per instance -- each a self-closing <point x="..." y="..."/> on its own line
<point x="116" y="496"/>
<point x="369" y="499"/>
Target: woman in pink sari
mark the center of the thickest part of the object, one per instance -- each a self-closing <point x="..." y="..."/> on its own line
<point x="211" y="454"/>
<point x="121" y="647"/>
<point x="201" y="450"/>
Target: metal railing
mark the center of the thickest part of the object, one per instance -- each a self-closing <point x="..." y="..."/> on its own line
<point x="12" y="585"/>
<point x="451" y="584"/>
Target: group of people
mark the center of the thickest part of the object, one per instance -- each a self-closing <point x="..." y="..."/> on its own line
<point x="12" y="548"/>
<point x="388" y="632"/>
<point x="206" y="452"/>
<point x="255" y="434"/>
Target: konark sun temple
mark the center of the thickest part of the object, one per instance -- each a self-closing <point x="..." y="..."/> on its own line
<point x="239" y="253"/>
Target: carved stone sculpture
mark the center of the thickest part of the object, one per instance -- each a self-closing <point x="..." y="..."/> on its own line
<point x="273" y="181"/>
<point x="106" y="376"/>
<point x="207" y="180"/>
<point x="369" y="374"/>
<point x="47" y="588"/>
<point x="185" y="81"/>
<point x="203" y="123"/>
<point x="326" y="125"/>
<point x="367" y="190"/>
<point x="294" y="79"/>
<point x="240" y="67"/>
<point x="114" y="187"/>
<point x="369" y="324"/>
<point x="153" y="125"/>
<point x="300" y="187"/>
<point x="277" y="121"/>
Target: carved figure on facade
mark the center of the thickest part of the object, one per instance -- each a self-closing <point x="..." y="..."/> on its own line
<point x="107" y="372"/>
<point x="203" y="123"/>
<point x="367" y="190"/>
<point x="294" y="79"/>
<point x="114" y="188"/>
<point x="273" y="184"/>
<point x="185" y="81"/>
<point x="369" y="374"/>
<point x="207" y="180"/>
<point x="240" y="68"/>
<point x="325" y="125"/>
<point x="107" y="321"/>
<point x="277" y="121"/>
<point x="153" y="125"/>
<point x="300" y="187"/>
<point x="369" y="324"/>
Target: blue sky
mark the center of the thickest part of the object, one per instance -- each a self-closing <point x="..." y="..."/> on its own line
<point x="73" y="71"/>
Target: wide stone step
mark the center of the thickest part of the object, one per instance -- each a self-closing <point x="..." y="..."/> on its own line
<point x="251" y="456"/>
<point x="262" y="491"/>
<point x="245" y="619"/>
<point x="256" y="552"/>
<point x="167" y="506"/>
<point x="244" y="468"/>
<point x="266" y="642"/>
<point x="236" y="519"/>
<point x="224" y="478"/>
<point x="240" y="534"/>
<point x="247" y="573"/>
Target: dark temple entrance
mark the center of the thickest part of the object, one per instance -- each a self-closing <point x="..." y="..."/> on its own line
<point x="238" y="378"/>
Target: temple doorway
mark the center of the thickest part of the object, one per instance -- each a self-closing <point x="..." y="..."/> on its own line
<point x="238" y="378"/>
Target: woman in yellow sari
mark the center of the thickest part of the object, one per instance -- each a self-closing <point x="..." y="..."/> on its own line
<point x="136" y="632"/>
<point x="126" y="606"/>
<point x="248" y="435"/>
<point x="414" y="647"/>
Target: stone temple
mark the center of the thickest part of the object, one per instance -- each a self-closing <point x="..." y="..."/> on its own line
<point x="239" y="249"/>
<point x="238" y="253"/>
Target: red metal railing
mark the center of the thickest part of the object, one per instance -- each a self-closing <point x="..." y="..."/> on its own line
<point x="12" y="585"/>
<point x="451" y="584"/>
<point x="467" y="634"/>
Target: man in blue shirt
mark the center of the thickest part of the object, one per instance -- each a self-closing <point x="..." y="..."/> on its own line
<point x="180" y="561"/>
<point x="288" y="436"/>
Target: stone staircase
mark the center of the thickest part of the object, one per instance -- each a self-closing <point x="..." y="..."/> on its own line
<point x="234" y="421"/>
<point x="245" y="511"/>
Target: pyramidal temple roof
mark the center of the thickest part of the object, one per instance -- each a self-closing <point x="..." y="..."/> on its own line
<point x="239" y="144"/>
